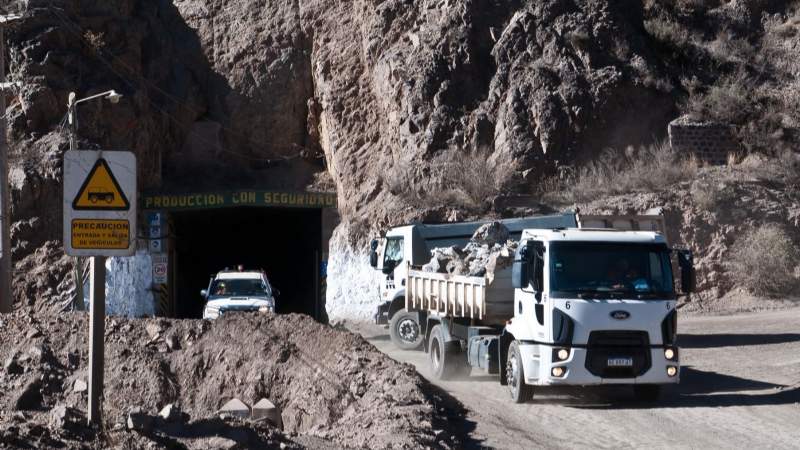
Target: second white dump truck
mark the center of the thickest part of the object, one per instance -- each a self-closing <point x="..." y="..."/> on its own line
<point x="577" y="307"/>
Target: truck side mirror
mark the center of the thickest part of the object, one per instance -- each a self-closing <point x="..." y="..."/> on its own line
<point x="388" y="266"/>
<point x="204" y="293"/>
<point x="688" y="274"/>
<point x="373" y="256"/>
<point x="521" y="268"/>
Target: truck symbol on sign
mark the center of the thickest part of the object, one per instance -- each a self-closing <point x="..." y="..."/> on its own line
<point x="100" y="195"/>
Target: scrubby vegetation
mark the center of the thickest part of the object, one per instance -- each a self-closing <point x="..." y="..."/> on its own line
<point x="734" y="62"/>
<point x="649" y="168"/>
<point x="763" y="261"/>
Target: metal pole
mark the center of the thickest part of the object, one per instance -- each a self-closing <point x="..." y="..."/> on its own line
<point x="6" y="301"/>
<point x="77" y="301"/>
<point x="96" y="338"/>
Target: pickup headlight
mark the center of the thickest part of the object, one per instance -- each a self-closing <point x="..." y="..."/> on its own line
<point x="211" y="312"/>
<point x="266" y="309"/>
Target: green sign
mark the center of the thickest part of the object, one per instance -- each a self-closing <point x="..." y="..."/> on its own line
<point x="207" y="200"/>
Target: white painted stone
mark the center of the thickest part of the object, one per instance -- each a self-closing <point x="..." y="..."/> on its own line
<point x="265" y="409"/>
<point x="235" y="407"/>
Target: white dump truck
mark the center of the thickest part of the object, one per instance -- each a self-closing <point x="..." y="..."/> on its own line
<point x="411" y="245"/>
<point x="576" y="307"/>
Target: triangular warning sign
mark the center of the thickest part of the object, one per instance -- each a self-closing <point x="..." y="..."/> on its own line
<point x="100" y="191"/>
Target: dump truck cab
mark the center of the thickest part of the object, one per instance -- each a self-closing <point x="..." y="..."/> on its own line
<point x="595" y="307"/>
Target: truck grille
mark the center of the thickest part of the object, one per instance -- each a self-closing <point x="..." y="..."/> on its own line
<point x="604" y="345"/>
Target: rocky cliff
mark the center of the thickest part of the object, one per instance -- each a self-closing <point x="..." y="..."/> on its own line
<point x="421" y="109"/>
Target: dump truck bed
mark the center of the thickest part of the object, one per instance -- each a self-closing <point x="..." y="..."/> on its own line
<point x="488" y="300"/>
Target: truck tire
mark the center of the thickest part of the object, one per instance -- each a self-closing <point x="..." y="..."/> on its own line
<point x="647" y="392"/>
<point x="515" y="376"/>
<point x="446" y="359"/>
<point x="405" y="331"/>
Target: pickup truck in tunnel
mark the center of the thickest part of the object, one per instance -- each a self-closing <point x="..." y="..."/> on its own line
<point x="241" y="290"/>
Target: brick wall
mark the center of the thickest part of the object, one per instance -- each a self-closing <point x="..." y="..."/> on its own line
<point x="708" y="142"/>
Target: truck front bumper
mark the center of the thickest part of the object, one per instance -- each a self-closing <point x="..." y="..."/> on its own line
<point x="540" y="369"/>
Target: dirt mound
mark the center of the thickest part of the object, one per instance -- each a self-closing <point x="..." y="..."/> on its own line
<point x="332" y="388"/>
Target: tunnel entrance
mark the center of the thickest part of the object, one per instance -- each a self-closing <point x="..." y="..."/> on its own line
<point x="283" y="242"/>
<point x="199" y="235"/>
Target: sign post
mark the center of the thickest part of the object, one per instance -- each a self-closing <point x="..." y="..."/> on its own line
<point x="99" y="221"/>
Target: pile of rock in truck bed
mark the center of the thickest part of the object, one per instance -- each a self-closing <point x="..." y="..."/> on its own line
<point x="488" y="251"/>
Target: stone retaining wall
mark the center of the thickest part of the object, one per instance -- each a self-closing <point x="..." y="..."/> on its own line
<point x="708" y="142"/>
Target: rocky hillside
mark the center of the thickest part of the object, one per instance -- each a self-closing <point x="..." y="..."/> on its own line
<point x="408" y="110"/>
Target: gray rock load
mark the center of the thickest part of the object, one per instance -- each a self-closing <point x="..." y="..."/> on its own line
<point x="488" y="251"/>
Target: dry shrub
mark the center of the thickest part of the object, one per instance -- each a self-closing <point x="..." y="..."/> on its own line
<point x="708" y="196"/>
<point x="650" y="168"/>
<point x="763" y="261"/>
<point x="472" y="178"/>
<point x="461" y="178"/>
<point x="669" y="32"/>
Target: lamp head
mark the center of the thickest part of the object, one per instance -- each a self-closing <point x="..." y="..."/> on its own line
<point x="114" y="97"/>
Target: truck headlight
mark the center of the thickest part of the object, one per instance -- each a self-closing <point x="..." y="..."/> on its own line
<point x="560" y="354"/>
<point x="672" y="371"/>
<point x="211" y="312"/>
<point x="266" y="309"/>
<point x="670" y="353"/>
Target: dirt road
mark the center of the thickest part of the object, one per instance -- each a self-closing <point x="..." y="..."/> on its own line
<point x="740" y="388"/>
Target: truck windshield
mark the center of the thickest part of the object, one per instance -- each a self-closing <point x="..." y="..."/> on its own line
<point x="239" y="288"/>
<point x="639" y="270"/>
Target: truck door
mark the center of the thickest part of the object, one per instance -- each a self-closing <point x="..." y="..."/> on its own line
<point x="393" y="265"/>
<point x="531" y="302"/>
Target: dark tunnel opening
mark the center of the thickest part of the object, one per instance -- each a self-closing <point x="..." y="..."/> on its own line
<point x="284" y="242"/>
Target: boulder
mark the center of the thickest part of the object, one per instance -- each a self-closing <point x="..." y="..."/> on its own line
<point x="64" y="418"/>
<point x="490" y="234"/>
<point x="79" y="386"/>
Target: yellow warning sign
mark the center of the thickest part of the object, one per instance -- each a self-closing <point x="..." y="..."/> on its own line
<point x="92" y="234"/>
<point x="100" y="191"/>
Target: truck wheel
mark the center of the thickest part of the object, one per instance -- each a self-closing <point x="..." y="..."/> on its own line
<point x="515" y="376"/>
<point x="647" y="392"/>
<point x="405" y="331"/>
<point x="446" y="359"/>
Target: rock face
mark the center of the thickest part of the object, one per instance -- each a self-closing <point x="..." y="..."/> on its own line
<point x="390" y="98"/>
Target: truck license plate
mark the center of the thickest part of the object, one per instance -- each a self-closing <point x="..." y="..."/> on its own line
<point x="620" y="362"/>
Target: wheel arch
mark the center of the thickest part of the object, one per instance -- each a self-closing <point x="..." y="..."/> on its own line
<point x="505" y="339"/>
<point x="397" y="303"/>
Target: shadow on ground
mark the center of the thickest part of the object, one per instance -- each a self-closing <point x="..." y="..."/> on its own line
<point x="698" y="388"/>
<point x="734" y="339"/>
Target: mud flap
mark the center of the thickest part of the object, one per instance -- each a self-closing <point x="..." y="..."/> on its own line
<point x="502" y="354"/>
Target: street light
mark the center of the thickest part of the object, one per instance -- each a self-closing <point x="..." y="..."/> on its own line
<point x="112" y="96"/>
<point x="99" y="262"/>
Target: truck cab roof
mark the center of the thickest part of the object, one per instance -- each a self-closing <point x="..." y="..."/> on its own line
<point x="595" y="235"/>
